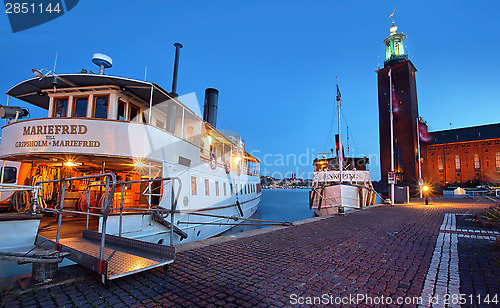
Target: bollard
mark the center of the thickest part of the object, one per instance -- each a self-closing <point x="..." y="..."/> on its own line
<point x="41" y="272"/>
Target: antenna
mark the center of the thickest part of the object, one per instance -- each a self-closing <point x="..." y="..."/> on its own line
<point x="145" y="73"/>
<point x="55" y="63"/>
<point x="103" y="61"/>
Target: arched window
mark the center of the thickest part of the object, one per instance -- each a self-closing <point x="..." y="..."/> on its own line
<point x="477" y="166"/>
<point x="457" y="163"/>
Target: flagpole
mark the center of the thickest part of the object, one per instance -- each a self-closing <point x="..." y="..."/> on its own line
<point x="339" y="100"/>
<point x="419" y="163"/>
<point x="392" y="135"/>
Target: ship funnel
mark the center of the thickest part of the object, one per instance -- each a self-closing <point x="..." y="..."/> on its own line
<point x="178" y="47"/>
<point x="210" y="106"/>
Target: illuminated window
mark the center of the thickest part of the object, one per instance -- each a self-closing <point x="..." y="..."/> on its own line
<point x="61" y="107"/>
<point x="457" y="163"/>
<point x="440" y="163"/>
<point x="476" y="162"/>
<point x="9" y="174"/>
<point x="207" y="186"/>
<point x="193" y="186"/>
<point x="497" y="160"/>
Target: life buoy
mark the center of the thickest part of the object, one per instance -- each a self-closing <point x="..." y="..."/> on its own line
<point x="227" y="167"/>
<point x="213" y="161"/>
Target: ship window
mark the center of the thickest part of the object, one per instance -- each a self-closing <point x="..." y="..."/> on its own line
<point x="231" y="187"/>
<point x="207" y="187"/>
<point x="134" y="112"/>
<point x="193" y="186"/>
<point x="216" y="188"/>
<point x="9" y="174"/>
<point x="190" y="133"/>
<point x="80" y="107"/>
<point x="101" y="107"/>
<point x="225" y="190"/>
<point x="121" y="111"/>
<point x="160" y="124"/>
<point x="61" y="107"/>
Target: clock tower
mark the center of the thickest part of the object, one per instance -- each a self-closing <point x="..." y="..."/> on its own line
<point x="405" y="110"/>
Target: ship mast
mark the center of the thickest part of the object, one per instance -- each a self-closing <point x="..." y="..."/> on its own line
<point x="339" y="156"/>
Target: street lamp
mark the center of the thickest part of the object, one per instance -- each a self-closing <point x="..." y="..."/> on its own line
<point x="425" y="188"/>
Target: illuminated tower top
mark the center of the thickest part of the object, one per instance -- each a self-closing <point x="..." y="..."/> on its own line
<point x="394" y="47"/>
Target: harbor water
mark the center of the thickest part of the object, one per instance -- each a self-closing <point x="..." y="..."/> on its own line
<point x="281" y="205"/>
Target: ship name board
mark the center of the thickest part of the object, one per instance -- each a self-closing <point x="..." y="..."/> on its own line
<point x="63" y="129"/>
<point x="50" y="131"/>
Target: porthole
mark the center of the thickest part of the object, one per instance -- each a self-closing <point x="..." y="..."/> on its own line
<point x="198" y="234"/>
<point x="160" y="241"/>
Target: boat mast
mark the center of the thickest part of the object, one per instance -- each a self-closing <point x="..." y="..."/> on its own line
<point x="339" y="156"/>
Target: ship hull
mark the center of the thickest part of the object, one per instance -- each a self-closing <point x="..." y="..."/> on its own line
<point x="339" y="198"/>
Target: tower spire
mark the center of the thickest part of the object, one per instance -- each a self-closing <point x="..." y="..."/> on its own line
<point x="394" y="47"/>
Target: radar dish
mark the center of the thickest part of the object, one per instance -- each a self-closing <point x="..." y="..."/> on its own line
<point x="103" y="61"/>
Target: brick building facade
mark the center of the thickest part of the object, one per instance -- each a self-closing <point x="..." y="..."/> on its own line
<point x="457" y="156"/>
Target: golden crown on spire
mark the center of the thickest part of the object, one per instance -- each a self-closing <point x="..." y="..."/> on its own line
<point x="393" y="28"/>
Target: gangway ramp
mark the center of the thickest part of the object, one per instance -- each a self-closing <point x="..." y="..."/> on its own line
<point x="122" y="256"/>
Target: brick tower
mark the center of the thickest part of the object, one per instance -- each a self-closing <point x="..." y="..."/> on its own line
<point x="405" y="109"/>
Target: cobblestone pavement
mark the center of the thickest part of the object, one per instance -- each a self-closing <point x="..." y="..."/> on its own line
<point x="363" y="259"/>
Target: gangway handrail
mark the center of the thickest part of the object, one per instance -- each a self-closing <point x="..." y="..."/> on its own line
<point x="173" y="201"/>
<point x="102" y="268"/>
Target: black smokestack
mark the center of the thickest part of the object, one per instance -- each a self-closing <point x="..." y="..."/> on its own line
<point x="210" y="106"/>
<point x="178" y="47"/>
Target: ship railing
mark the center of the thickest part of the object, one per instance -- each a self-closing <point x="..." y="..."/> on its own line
<point x="174" y="198"/>
<point x="5" y="187"/>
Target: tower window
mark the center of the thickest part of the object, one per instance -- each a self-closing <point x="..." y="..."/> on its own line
<point x="440" y="164"/>
<point x="497" y="160"/>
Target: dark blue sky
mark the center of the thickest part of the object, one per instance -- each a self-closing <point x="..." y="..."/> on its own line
<point x="275" y="63"/>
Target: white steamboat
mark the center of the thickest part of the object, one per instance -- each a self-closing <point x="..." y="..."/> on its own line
<point x="170" y="164"/>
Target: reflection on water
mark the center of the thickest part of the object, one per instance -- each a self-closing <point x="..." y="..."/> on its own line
<point x="279" y="204"/>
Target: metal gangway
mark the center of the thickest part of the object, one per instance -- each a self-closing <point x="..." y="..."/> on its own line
<point x="109" y="255"/>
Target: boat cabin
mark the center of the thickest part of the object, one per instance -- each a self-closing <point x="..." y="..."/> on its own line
<point x="349" y="163"/>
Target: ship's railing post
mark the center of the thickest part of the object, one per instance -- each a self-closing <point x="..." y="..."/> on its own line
<point x="87" y="193"/>
<point x="122" y="201"/>
<point x="60" y="213"/>
<point x="35" y="200"/>
<point x="172" y="209"/>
